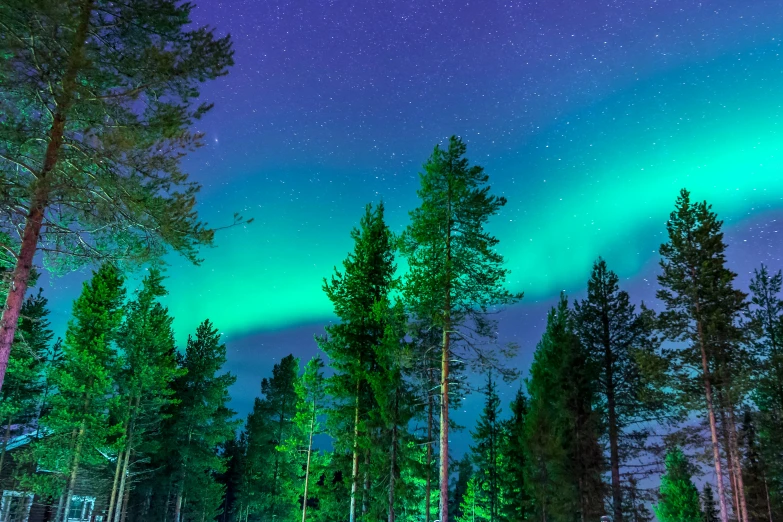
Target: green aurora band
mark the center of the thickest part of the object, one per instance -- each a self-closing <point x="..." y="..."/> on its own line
<point x="600" y="181"/>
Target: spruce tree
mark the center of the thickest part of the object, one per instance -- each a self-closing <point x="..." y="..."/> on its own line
<point x="612" y="333"/>
<point x="563" y="462"/>
<point x="98" y="97"/>
<point x="199" y="425"/>
<point x="367" y="278"/>
<point x="148" y="370"/>
<point x="516" y="505"/>
<point x="702" y="310"/>
<point x="78" y="420"/>
<point x="455" y="273"/>
<point x="709" y="512"/>
<point x="486" y="450"/>
<point x="679" y="497"/>
<point x="472" y="509"/>
<point x="766" y="320"/>
<point x="311" y="403"/>
<point x="464" y="469"/>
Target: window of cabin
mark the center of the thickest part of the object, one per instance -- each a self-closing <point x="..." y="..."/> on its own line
<point x="15" y="506"/>
<point x="81" y="508"/>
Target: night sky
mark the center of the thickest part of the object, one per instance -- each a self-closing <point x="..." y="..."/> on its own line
<point x="588" y="116"/>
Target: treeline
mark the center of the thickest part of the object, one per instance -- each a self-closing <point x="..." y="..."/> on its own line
<point x="114" y="408"/>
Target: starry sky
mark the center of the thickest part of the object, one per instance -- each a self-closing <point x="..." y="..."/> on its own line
<point x="588" y="116"/>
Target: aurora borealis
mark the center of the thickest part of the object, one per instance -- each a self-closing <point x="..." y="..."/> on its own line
<point x="588" y="116"/>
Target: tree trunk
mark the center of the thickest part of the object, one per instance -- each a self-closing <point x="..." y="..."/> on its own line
<point x="443" y="504"/>
<point x="74" y="468"/>
<point x="393" y="461"/>
<point x="724" y="515"/>
<point x="614" y="432"/>
<point x="307" y="467"/>
<point x="113" y="498"/>
<point x="430" y="408"/>
<point x="178" y="503"/>
<point x="40" y="197"/>
<point x="59" y="514"/>
<point x="355" y="462"/>
<point x="729" y="460"/>
<point x="366" y="484"/>
<point x="124" y="509"/>
<point x="743" y="505"/>
<point x="119" y="511"/>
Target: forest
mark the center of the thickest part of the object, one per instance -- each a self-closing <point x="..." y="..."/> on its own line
<point x="668" y="412"/>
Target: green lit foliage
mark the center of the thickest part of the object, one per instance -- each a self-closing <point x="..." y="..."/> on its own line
<point x="352" y="345"/>
<point x="472" y="508"/>
<point x="78" y="418"/>
<point x="679" y="497"/>
<point x="148" y="368"/>
<point x="563" y="460"/>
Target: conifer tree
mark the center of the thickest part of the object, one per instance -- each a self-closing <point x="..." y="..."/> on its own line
<point x="78" y="420"/>
<point x="472" y="509"/>
<point x="756" y="482"/>
<point x="21" y="398"/>
<point x="97" y="100"/>
<point x="702" y="309"/>
<point x="311" y="402"/>
<point x="709" y="512"/>
<point x="612" y="333"/>
<point x="464" y="469"/>
<point x="679" y="497"/>
<point x="366" y="279"/>
<point x="199" y="424"/>
<point x="278" y="489"/>
<point x="563" y="460"/>
<point x="455" y="272"/>
<point x="148" y="369"/>
<point x="766" y="320"/>
<point x="486" y="450"/>
<point x="516" y="501"/>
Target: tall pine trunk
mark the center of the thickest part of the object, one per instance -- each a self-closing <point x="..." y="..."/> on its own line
<point x="366" y="484"/>
<point x="77" y="453"/>
<point x="124" y="509"/>
<point x="178" y="503"/>
<point x="444" y="424"/>
<point x="430" y="412"/>
<point x="113" y="497"/>
<point x="355" y="459"/>
<point x="40" y="197"/>
<point x="724" y="515"/>
<point x="743" y="505"/>
<point x="614" y="432"/>
<point x="307" y="467"/>
<point x="124" y="474"/>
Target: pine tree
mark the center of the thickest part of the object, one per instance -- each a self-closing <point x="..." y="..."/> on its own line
<point x="563" y="463"/>
<point x="311" y="402"/>
<point x="97" y="100"/>
<point x="486" y="450"/>
<point x="516" y="505"/>
<point x="455" y="273"/>
<point x="199" y="424"/>
<point x="367" y="279"/>
<point x="148" y="369"/>
<point x="766" y="320"/>
<point x="708" y="511"/>
<point x="702" y="308"/>
<point x="472" y="508"/>
<point x="464" y="469"/>
<point x="679" y="497"/>
<point x="612" y="333"/>
<point x="78" y="419"/>
<point x="756" y="482"/>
